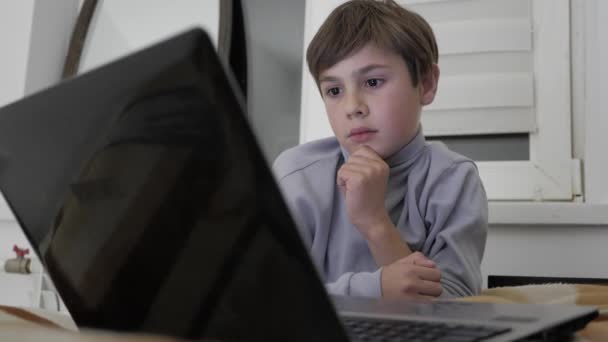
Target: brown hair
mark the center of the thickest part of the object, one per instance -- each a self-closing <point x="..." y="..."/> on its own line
<point x="386" y="24"/>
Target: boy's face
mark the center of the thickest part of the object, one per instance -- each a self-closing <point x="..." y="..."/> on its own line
<point x="370" y="100"/>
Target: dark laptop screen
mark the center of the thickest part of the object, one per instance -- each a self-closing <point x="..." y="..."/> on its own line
<point x="143" y="190"/>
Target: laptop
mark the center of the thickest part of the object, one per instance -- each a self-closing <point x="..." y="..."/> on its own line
<point x="144" y="193"/>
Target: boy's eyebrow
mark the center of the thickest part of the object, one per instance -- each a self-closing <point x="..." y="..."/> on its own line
<point x="355" y="73"/>
<point x="368" y="68"/>
<point x="328" y="79"/>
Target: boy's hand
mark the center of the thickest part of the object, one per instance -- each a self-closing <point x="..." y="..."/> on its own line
<point x="363" y="180"/>
<point x="414" y="276"/>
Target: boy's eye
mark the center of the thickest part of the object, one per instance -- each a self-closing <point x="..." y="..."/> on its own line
<point x="333" y="91"/>
<point x="373" y="82"/>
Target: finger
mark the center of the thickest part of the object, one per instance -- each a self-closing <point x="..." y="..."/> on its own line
<point x="431" y="288"/>
<point x="367" y="151"/>
<point x="427" y="273"/>
<point x="356" y="164"/>
<point x="341" y="186"/>
<point x="376" y="163"/>
<point x="367" y="167"/>
<point x="363" y="169"/>
<point x="354" y="170"/>
<point x="348" y="173"/>
<point x="423" y="261"/>
<point x="365" y="160"/>
<point x="349" y="178"/>
<point x="421" y="287"/>
<point x="417" y="258"/>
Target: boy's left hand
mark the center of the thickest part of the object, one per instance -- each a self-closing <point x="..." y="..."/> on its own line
<point x="363" y="180"/>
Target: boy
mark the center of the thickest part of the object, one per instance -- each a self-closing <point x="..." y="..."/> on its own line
<point x="383" y="212"/>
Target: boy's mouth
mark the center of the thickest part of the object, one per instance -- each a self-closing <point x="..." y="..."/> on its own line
<point x="361" y="134"/>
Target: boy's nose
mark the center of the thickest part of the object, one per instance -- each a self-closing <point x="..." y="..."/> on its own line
<point x="356" y="107"/>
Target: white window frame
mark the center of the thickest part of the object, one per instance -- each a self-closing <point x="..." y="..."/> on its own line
<point x="589" y="83"/>
<point x="592" y="19"/>
<point x="551" y="173"/>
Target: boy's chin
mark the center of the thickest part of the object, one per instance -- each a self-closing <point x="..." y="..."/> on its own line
<point x="374" y="147"/>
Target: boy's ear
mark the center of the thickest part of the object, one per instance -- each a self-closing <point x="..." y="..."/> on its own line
<point x="428" y="85"/>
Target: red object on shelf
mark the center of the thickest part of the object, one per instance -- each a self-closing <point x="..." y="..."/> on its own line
<point x="21" y="252"/>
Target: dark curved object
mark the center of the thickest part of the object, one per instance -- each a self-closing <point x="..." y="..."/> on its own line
<point x="238" y="48"/>
<point x="78" y="38"/>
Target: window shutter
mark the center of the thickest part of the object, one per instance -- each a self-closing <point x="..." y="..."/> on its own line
<point x="486" y="62"/>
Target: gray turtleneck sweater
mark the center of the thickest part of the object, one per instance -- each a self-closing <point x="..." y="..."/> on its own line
<point x="435" y="198"/>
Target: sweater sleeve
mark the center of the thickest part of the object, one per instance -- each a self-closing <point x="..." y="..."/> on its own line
<point x="361" y="284"/>
<point x="457" y="217"/>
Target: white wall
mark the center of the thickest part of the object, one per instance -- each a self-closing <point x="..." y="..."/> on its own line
<point x="34" y="37"/>
<point x="120" y="27"/>
<point x="275" y="30"/>
<point x="596" y="104"/>
<point x="16" y="289"/>
<point x="15" y="19"/>
<point x="52" y="25"/>
<point x="544" y="251"/>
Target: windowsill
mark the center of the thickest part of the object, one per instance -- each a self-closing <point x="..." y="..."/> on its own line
<point x="556" y="213"/>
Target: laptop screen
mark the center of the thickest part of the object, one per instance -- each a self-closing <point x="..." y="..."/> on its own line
<point x="144" y="193"/>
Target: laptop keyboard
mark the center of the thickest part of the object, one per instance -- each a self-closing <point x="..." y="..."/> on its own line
<point x="365" y="329"/>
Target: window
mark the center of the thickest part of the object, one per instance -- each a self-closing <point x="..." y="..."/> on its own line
<point x="505" y="72"/>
